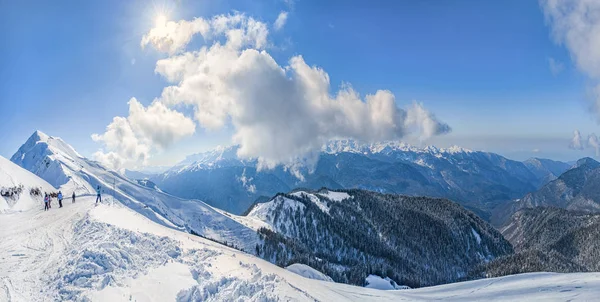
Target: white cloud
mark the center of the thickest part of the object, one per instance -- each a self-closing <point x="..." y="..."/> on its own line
<point x="281" y="20"/>
<point x="240" y="30"/>
<point x="282" y="114"/>
<point x="279" y="114"/>
<point x="576" y="25"/>
<point x="536" y="150"/>
<point x="426" y="123"/>
<point x="172" y="36"/>
<point x="159" y="124"/>
<point x="556" y="66"/>
<point x="129" y="140"/>
<point x="576" y="141"/>
<point x="122" y="143"/>
<point x="246" y="182"/>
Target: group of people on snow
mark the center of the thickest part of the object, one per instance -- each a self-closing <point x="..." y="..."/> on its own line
<point x="59" y="196"/>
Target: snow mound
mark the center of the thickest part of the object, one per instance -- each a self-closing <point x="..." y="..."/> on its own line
<point x="376" y="282"/>
<point x="20" y="189"/>
<point x="308" y="272"/>
<point x="335" y="196"/>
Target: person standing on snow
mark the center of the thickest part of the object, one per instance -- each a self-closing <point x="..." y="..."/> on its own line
<point x="49" y="201"/>
<point x="73" y="196"/>
<point x="98" y="196"/>
<point x="46" y="202"/>
<point x="60" y="197"/>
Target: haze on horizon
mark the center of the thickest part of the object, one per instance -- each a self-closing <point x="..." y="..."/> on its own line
<point x="147" y="83"/>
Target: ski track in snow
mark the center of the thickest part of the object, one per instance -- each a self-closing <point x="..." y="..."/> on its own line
<point x="112" y="253"/>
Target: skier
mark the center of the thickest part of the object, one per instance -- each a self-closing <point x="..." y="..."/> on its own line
<point x="98" y="196"/>
<point x="46" y="202"/>
<point x="60" y="197"/>
<point x="73" y="196"/>
<point x="49" y="201"/>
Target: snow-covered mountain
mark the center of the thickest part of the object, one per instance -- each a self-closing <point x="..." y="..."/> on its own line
<point x="552" y="240"/>
<point x="350" y="234"/>
<point x="20" y="190"/>
<point x="577" y="189"/>
<point x="111" y="253"/>
<point x="546" y="170"/>
<point x="478" y="180"/>
<point x="55" y="161"/>
<point x="136" y="244"/>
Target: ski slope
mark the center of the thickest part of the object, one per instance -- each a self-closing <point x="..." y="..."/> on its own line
<point x="54" y="160"/>
<point x="112" y="253"/>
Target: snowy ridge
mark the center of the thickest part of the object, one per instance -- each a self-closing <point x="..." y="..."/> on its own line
<point x="475" y="179"/>
<point x="268" y="212"/>
<point x="220" y="156"/>
<point x="52" y="159"/>
<point x="338" y="146"/>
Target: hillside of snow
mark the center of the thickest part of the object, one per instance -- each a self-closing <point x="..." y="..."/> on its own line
<point x="20" y="190"/>
<point x="112" y="253"/>
<point x="136" y="245"/>
<point x="308" y="272"/>
<point x="350" y="234"/>
<point x="54" y="160"/>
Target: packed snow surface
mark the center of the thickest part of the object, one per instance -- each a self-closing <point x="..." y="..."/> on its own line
<point x="112" y="253"/>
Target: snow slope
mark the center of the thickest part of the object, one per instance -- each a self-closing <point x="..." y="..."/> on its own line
<point x="111" y="253"/>
<point x="20" y="182"/>
<point x="308" y="272"/>
<point x="55" y="161"/>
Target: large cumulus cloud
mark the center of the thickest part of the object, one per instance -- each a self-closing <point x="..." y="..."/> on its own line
<point x="280" y="114"/>
<point x="576" y="25"/>
<point x="128" y="141"/>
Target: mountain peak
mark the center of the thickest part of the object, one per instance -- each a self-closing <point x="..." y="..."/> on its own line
<point x="39" y="136"/>
<point x="587" y="161"/>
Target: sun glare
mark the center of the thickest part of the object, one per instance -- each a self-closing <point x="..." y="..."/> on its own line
<point x="160" y="20"/>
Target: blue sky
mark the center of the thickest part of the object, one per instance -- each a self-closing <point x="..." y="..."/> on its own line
<point x="69" y="67"/>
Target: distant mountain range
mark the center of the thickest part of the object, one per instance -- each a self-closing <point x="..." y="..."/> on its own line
<point x="549" y="239"/>
<point x="577" y="189"/>
<point x="477" y="180"/>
